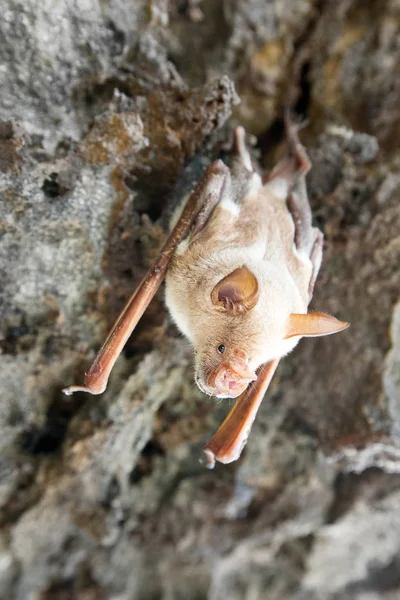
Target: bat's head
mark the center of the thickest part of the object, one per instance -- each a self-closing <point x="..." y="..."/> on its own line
<point x="223" y="355"/>
<point x="224" y="377"/>
<point x="244" y="329"/>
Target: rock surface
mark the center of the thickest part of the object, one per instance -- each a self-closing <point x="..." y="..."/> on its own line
<point x="110" y="112"/>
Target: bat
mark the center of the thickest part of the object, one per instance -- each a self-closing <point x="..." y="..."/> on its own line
<point x="240" y="266"/>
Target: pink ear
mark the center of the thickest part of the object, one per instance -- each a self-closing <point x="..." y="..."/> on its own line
<point x="313" y="324"/>
<point x="237" y="292"/>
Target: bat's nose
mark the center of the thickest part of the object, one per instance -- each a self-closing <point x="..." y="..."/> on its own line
<point x="230" y="385"/>
<point x="229" y="381"/>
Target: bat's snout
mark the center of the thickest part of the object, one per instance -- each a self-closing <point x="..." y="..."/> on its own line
<point x="229" y="380"/>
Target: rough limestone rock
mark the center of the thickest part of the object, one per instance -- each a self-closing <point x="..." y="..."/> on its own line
<point x="109" y="113"/>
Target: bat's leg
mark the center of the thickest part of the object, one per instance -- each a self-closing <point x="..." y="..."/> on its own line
<point x="207" y="193"/>
<point x="244" y="176"/>
<point x="299" y="207"/>
<point x="237" y="182"/>
<point x="241" y="149"/>
<point x="227" y="444"/>
<point x="287" y="179"/>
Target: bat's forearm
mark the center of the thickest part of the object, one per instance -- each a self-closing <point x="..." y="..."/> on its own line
<point x="206" y="195"/>
<point x="227" y="444"/>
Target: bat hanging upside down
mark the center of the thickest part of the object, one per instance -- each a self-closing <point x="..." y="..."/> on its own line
<point x="240" y="265"/>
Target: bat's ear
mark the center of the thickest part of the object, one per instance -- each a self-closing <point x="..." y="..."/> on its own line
<point x="237" y="292"/>
<point x="313" y="324"/>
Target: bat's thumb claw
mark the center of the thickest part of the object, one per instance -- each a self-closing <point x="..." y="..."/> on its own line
<point x="208" y="460"/>
<point x="68" y="391"/>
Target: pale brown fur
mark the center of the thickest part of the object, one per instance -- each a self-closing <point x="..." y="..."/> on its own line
<point x="259" y="235"/>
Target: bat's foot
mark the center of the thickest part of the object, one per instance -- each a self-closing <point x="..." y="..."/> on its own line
<point x="208" y="460"/>
<point x="296" y="163"/>
<point x="296" y="149"/>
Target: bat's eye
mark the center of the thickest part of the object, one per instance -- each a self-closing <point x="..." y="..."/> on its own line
<point x="221" y="348"/>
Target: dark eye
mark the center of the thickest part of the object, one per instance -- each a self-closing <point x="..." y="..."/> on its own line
<point x="221" y="348"/>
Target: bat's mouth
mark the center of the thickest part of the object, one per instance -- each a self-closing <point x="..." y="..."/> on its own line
<point x="229" y="392"/>
<point x="227" y="380"/>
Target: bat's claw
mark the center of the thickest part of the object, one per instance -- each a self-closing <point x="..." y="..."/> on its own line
<point x="293" y="125"/>
<point x="208" y="459"/>
<point x="71" y="389"/>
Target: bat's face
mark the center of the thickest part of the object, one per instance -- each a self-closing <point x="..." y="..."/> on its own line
<point x="223" y="369"/>
<point x="229" y="350"/>
<point x="235" y="325"/>
<point x="233" y="337"/>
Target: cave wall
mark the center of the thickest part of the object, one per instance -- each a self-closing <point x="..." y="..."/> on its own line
<point x="110" y="110"/>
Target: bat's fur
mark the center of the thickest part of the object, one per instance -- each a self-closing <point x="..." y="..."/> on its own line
<point x="252" y="226"/>
<point x="242" y="261"/>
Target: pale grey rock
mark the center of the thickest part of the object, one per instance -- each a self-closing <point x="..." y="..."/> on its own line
<point x="116" y="108"/>
<point x="49" y="50"/>
<point x="358" y="555"/>
<point x="391" y="376"/>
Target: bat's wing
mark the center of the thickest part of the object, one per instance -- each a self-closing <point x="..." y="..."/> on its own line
<point x="195" y="215"/>
<point x="230" y="439"/>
